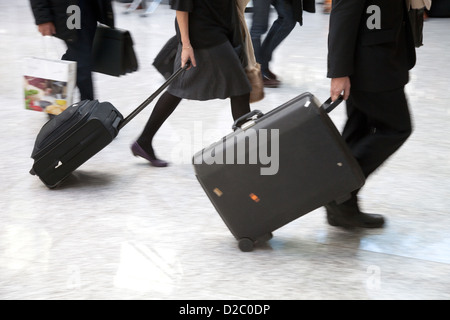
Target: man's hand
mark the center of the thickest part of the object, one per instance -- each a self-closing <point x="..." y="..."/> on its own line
<point x="47" y="29"/>
<point x="340" y="86"/>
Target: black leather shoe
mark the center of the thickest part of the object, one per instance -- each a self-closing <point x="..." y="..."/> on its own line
<point x="270" y="83"/>
<point x="349" y="216"/>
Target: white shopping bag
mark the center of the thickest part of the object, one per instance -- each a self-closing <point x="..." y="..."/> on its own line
<point x="49" y="84"/>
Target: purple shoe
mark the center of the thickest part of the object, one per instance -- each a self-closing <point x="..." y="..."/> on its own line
<point x="139" y="152"/>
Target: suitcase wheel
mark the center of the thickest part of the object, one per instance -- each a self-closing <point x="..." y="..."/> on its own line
<point x="246" y="244"/>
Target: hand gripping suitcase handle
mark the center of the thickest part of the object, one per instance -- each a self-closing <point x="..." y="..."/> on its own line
<point x="153" y="96"/>
<point x="330" y="105"/>
<point x="246" y="117"/>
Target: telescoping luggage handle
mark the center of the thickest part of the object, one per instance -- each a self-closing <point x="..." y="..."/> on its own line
<point x="153" y="96"/>
<point x="330" y="105"/>
<point x="327" y="106"/>
<point x="255" y="114"/>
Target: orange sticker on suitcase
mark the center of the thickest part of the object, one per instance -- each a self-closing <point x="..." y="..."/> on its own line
<point x="218" y="192"/>
<point x="254" y="197"/>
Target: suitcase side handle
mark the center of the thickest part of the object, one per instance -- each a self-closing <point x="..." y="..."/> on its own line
<point x="154" y="95"/>
<point x="330" y="105"/>
<point x="246" y="117"/>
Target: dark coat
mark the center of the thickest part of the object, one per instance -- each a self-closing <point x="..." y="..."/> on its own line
<point x="56" y="11"/>
<point x="302" y="5"/>
<point x="375" y="59"/>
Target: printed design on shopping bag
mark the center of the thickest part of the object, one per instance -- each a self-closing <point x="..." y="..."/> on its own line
<point x="48" y="84"/>
<point x="45" y="95"/>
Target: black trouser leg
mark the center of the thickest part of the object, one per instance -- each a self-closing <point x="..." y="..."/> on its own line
<point x="81" y="50"/>
<point x="378" y="125"/>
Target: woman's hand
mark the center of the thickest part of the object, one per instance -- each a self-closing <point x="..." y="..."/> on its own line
<point x="187" y="54"/>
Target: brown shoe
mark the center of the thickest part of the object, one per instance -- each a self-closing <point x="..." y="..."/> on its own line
<point x="271" y="83"/>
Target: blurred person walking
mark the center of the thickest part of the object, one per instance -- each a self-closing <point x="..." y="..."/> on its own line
<point x="205" y="31"/>
<point x="289" y="13"/>
<point x="326" y="6"/>
<point x="52" y="18"/>
<point x="370" y="53"/>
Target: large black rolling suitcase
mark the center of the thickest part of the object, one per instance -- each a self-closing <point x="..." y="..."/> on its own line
<point x="70" y="139"/>
<point x="276" y="167"/>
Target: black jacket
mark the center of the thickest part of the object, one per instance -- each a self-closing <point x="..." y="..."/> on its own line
<point x="56" y="11"/>
<point x="376" y="58"/>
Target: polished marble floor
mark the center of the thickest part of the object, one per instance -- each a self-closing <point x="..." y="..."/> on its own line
<point x="120" y="229"/>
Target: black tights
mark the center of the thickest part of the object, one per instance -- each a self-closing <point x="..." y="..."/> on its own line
<point x="166" y="105"/>
<point x="240" y="105"/>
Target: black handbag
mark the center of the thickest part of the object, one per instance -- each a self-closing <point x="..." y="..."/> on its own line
<point x="416" y="19"/>
<point x="165" y="59"/>
<point x="113" y="52"/>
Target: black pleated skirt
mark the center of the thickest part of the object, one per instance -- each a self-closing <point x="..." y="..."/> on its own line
<point x="218" y="75"/>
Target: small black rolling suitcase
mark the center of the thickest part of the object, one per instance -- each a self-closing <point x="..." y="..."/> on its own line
<point x="277" y="167"/>
<point x="70" y="139"/>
